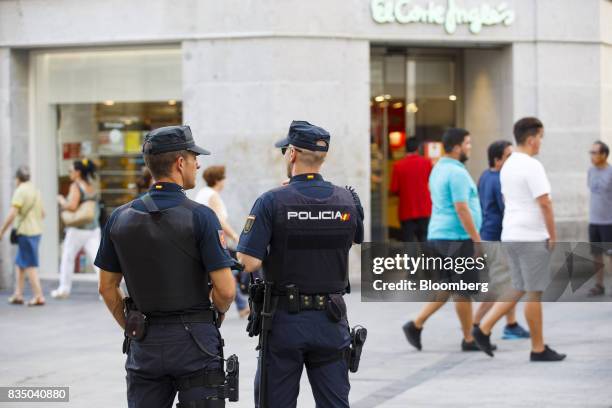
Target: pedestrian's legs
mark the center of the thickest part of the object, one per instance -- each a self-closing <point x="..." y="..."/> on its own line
<point x="533" y="315"/>
<point x="463" y="306"/>
<point x="430" y="308"/>
<point x="511" y="316"/>
<point x="482" y="311"/>
<point x="91" y="248"/>
<point x="32" y="273"/>
<point x="408" y="230"/>
<point x="19" y="282"/>
<point x="498" y="311"/>
<point x="72" y="244"/>
<point x="421" y="231"/>
<point x="598" y="261"/>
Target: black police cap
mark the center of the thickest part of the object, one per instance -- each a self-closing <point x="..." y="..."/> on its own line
<point x="305" y="135"/>
<point x="171" y="139"/>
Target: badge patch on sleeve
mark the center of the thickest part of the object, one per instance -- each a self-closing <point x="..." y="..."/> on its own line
<point x="249" y="224"/>
<point x="222" y="239"/>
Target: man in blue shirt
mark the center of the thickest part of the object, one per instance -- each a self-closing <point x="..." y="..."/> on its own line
<point x="168" y="248"/>
<point x="492" y="202"/>
<point x="301" y="233"/>
<point x="453" y="229"/>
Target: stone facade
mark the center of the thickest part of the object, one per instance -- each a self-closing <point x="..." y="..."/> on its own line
<point x="249" y="68"/>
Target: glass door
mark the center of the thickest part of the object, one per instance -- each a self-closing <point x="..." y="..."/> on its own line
<point x="414" y="93"/>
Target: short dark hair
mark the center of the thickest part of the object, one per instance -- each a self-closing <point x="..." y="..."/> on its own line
<point x="496" y="151"/>
<point x="213" y="174"/>
<point x="526" y="127"/>
<point x="603" y="148"/>
<point x="453" y="137"/>
<point x="412" y="144"/>
<point x="160" y="164"/>
<point x="23" y="173"/>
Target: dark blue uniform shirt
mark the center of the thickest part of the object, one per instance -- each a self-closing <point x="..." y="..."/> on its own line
<point x="206" y="224"/>
<point x="255" y="242"/>
<point x="492" y="204"/>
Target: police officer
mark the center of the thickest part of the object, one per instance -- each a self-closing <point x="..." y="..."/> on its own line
<point x="301" y="233"/>
<point x="168" y="249"/>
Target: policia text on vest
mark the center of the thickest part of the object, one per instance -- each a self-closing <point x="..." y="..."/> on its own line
<point x="172" y="256"/>
<point x="300" y="234"/>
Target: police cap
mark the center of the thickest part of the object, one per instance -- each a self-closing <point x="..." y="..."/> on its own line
<point x="305" y="135"/>
<point x="171" y="139"/>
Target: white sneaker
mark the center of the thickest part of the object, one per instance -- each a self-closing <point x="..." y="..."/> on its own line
<point x="57" y="294"/>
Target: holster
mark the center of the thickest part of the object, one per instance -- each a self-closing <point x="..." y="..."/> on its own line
<point x="358" y="338"/>
<point x="135" y="321"/>
<point x="256" y="299"/>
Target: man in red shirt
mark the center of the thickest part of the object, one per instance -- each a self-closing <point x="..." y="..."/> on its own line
<point x="409" y="180"/>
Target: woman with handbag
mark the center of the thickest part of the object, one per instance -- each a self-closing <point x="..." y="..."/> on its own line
<point x="79" y="214"/>
<point x="26" y="209"/>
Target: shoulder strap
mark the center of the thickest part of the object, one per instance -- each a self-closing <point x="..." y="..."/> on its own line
<point x="152" y="208"/>
<point x="154" y="211"/>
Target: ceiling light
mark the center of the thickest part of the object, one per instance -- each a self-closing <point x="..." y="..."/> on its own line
<point x="453" y="98"/>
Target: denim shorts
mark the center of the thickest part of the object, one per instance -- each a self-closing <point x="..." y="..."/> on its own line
<point x="27" y="251"/>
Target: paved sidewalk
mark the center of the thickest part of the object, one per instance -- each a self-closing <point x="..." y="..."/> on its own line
<point x="76" y="343"/>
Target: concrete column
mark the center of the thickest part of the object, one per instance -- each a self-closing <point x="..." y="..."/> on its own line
<point x="13" y="141"/>
<point x="488" y="101"/>
<point x="240" y="95"/>
<point x="5" y="162"/>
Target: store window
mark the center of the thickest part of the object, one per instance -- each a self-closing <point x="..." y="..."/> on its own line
<point x="414" y="93"/>
<point x="98" y="103"/>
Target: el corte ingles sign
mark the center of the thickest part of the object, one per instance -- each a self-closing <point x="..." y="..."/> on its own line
<point x="449" y="16"/>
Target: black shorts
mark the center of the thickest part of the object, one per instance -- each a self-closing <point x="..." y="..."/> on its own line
<point x="454" y="249"/>
<point x="600" y="234"/>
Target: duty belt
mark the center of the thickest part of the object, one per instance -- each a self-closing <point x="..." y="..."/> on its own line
<point x="205" y="316"/>
<point x="307" y="302"/>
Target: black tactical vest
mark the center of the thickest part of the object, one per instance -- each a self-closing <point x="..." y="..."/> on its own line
<point x="159" y="258"/>
<point x="310" y="242"/>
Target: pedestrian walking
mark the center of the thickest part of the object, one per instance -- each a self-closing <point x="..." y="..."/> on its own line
<point x="26" y="214"/>
<point x="168" y="249"/>
<point x="301" y="233"/>
<point x="492" y="204"/>
<point x="528" y="237"/>
<point x="210" y="196"/>
<point x="80" y="214"/>
<point x="453" y="230"/>
<point x="600" y="214"/>
<point x="409" y="180"/>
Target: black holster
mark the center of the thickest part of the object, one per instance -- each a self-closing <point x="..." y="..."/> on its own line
<point x="135" y="324"/>
<point x="358" y="338"/>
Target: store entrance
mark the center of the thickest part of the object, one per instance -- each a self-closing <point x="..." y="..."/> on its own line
<point x="414" y="93"/>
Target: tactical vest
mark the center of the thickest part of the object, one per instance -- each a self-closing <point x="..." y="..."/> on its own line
<point x="159" y="258"/>
<point x="310" y="242"/>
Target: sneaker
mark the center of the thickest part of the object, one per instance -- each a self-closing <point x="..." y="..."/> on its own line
<point x="515" y="332"/>
<point x="413" y="334"/>
<point x="547" y="355"/>
<point x="483" y="341"/>
<point x="472" y="346"/>
<point x="57" y="294"/>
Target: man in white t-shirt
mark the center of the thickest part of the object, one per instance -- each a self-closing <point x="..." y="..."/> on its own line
<point x="528" y="236"/>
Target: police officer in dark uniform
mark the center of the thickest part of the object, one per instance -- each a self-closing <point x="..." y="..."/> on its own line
<point x="169" y="250"/>
<point x="301" y="234"/>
